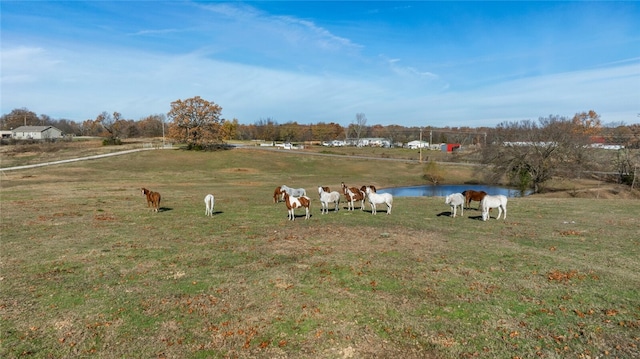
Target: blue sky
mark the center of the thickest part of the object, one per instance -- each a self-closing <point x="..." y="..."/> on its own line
<point x="406" y="63"/>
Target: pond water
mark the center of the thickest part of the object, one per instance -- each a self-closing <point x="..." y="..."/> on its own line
<point x="444" y="190"/>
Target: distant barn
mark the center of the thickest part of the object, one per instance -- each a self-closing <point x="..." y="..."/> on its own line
<point x="36" y="133"/>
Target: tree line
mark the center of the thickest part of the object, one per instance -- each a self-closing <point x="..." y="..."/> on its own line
<point x="198" y="121"/>
<point x="528" y="153"/>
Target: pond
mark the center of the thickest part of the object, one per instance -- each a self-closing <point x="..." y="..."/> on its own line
<point x="444" y="190"/>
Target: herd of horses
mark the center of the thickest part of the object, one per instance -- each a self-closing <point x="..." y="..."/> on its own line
<point x="487" y="202"/>
<point x="295" y="198"/>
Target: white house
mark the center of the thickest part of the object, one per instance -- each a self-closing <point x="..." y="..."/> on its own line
<point x="36" y="133"/>
<point x="417" y="144"/>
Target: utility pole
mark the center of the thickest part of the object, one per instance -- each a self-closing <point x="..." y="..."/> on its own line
<point x="420" y="144"/>
<point x="430" y="137"/>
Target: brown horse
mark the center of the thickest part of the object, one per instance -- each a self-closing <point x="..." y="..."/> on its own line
<point x="153" y="199"/>
<point x="471" y="195"/>
<point x="277" y="194"/>
<point x="372" y="187"/>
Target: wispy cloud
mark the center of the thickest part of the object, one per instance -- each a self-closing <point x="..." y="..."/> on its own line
<point x="157" y="32"/>
<point x="305" y="68"/>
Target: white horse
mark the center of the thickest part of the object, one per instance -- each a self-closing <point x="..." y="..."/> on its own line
<point x="455" y="200"/>
<point x="488" y="202"/>
<point x="377" y="198"/>
<point x="328" y="197"/>
<point x="295" y="192"/>
<point x="209" y="201"/>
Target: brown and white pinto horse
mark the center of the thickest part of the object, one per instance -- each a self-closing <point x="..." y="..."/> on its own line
<point x="471" y="195"/>
<point x="352" y="194"/>
<point x="296" y="202"/>
<point x="153" y="199"/>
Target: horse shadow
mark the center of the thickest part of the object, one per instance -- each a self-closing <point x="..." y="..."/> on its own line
<point x="449" y="214"/>
<point x="165" y="209"/>
<point x="215" y="213"/>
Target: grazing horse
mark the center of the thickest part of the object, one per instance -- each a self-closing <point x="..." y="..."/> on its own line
<point x="352" y="194"/>
<point x="471" y="195"/>
<point x="277" y="194"/>
<point x="375" y="198"/>
<point x="489" y="202"/>
<point x="153" y="199"/>
<point x="296" y="202"/>
<point x="455" y="200"/>
<point x="209" y="202"/>
<point x="328" y="197"/>
<point x="295" y="192"/>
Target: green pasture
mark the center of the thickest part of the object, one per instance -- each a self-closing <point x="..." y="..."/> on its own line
<point x="87" y="270"/>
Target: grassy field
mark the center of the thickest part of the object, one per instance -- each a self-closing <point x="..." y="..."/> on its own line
<point x="87" y="270"/>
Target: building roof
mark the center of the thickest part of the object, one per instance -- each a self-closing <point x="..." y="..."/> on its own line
<point x="33" y="129"/>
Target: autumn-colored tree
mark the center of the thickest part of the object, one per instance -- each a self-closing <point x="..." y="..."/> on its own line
<point x="378" y="131"/>
<point x="587" y="123"/>
<point x="230" y="129"/>
<point x="151" y="126"/>
<point x="326" y="131"/>
<point x="195" y="121"/>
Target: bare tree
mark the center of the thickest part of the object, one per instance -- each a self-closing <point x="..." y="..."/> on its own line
<point x="114" y="125"/>
<point x="529" y="154"/>
<point x="358" y="127"/>
<point x="18" y="117"/>
<point x="626" y="166"/>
